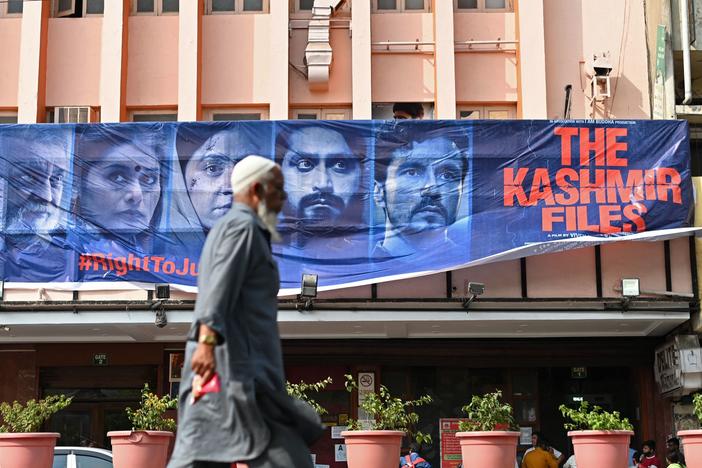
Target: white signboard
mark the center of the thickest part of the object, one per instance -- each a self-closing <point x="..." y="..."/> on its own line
<point x="339" y="452"/>
<point x="337" y="430"/>
<point x="668" y="370"/>
<point x="525" y="435"/>
<point x="366" y="385"/>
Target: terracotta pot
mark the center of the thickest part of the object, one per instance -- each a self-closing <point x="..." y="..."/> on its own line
<point x="597" y="449"/>
<point x="140" y="449"/>
<point x="692" y="445"/>
<point x="377" y="449"/>
<point x="27" y="449"/>
<point x="496" y="449"/>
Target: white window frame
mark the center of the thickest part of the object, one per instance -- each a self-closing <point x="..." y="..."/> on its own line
<point x="238" y="9"/>
<point x="322" y="113"/>
<point x="4" y="114"/>
<point x="158" y="10"/>
<point x="53" y="114"/>
<point x="484" y="111"/>
<point x="401" y="7"/>
<point x="133" y="112"/>
<point x="56" y="13"/>
<point x="509" y="6"/>
<point x="3" y="11"/>
<point x="208" y="114"/>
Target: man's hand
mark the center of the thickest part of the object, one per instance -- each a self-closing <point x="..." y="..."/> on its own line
<point x="203" y="362"/>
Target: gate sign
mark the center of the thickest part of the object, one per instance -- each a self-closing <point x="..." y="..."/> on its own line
<point x="678" y="366"/>
<point x="101" y="206"/>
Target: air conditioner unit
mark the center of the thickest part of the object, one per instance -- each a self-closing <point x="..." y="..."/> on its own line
<point x="70" y="115"/>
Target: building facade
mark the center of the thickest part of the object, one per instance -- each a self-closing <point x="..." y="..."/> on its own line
<point x="549" y="328"/>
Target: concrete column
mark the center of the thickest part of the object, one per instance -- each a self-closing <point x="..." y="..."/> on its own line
<point x="189" y="60"/>
<point x="31" y="92"/>
<point x="361" y="60"/>
<point x="279" y="52"/>
<point x="532" y="59"/>
<point x="445" y="61"/>
<point x="113" y="65"/>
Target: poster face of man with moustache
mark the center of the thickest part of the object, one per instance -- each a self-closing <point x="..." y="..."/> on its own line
<point x="418" y="185"/>
<point x="322" y="178"/>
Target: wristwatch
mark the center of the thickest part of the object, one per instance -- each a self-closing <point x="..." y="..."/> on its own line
<point x="209" y="340"/>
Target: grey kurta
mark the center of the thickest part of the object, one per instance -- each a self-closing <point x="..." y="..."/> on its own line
<point x="238" y="285"/>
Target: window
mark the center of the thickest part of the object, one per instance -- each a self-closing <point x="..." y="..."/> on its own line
<point x="383" y="110"/>
<point x="400" y="5"/>
<point x="71" y="114"/>
<point x="11" y="8"/>
<point x="321" y="114"/>
<point x="487" y="112"/>
<point x="155" y="7"/>
<point x="304" y="5"/>
<point x="216" y="7"/>
<point x="483" y="5"/>
<point x="88" y="461"/>
<point x="154" y="116"/>
<point x="235" y="113"/>
<point x="8" y="118"/>
<point x="77" y="8"/>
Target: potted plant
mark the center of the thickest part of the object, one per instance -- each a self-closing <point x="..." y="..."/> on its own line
<point x="391" y="419"/>
<point x="21" y="446"/>
<point x="599" y="438"/>
<point x="485" y="437"/>
<point x="692" y="439"/>
<point x="146" y="445"/>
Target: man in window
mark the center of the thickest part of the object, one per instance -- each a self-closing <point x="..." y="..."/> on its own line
<point x="408" y="110"/>
<point x="323" y="179"/>
<point x="419" y="175"/>
<point x="35" y="165"/>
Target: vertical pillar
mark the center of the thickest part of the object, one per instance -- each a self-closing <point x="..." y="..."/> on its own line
<point x="31" y="92"/>
<point x="532" y="59"/>
<point x="361" y="60"/>
<point x="113" y="65"/>
<point x="189" y="60"/>
<point x="444" y="61"/>
<point x="279" y="52"/>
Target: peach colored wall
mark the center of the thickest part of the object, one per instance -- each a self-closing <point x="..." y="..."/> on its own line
<point x="235" y="75"/>
<point x="73" y="62"/>
<point x="10" y="29"/>
<point x="481" y="76"/>
<point x="340" y="90"/>
<point x="402" y="76"/>
<point x="643" y="260"/>
<point x="546" y="278"/>
<point x="577" y="29"/>
<point x="501" y="279"/>
<point x="426" y="286"/>
<point x="679" y="265"/>
<point x="152" y="71"/>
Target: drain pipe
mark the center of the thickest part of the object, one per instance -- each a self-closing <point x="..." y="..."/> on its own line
<point x="685" y="39"/>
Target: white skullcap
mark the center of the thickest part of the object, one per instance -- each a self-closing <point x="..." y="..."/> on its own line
<point x="250" y="170"/>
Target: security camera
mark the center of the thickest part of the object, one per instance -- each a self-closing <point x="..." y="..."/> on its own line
<point x="475" y="290"/>
<point x="161" y="319"/>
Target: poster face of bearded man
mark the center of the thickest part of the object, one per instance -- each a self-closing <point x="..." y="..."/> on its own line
<point x="322" y="176"/>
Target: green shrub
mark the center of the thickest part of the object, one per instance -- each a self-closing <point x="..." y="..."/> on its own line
<point x="149" y="415"/>
<point x="595" y="419"/>
<point x="30" y="416"/>
<point x="697" y="404"/>
<point x="388" y="412"/>
<point x="487" y="412"/>
<point x="301" y="391"/>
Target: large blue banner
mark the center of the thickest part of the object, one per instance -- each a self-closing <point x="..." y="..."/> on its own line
<point x="367" y="200"/>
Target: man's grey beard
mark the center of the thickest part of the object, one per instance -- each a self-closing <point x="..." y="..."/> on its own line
<point x="270" y="220"/>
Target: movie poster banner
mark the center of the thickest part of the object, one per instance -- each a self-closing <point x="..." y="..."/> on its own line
<point x="108" y="205"/>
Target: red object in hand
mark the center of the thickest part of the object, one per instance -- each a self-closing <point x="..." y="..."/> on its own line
<point x="201" y="388"/>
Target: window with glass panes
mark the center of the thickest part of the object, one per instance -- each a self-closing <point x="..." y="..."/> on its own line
<point x="401" y="5"/>
<point x="155" y="7"/>
<point x="485" y="5"/>
<point x="236" y="6"/>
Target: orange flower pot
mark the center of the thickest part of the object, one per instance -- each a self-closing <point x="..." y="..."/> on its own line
<point x="27" y="449"/>
<point x="140" y="449"/>
<point x="597" y="449"/>
<point x="496" y="449"/>
<point x="692" y="444"/>
<point x="376" y="449"/>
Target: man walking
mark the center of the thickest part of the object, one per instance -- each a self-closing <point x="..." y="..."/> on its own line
<point x="235" y="335"/>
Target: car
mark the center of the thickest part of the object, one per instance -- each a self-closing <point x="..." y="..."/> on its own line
<point x="82" y="457"/>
